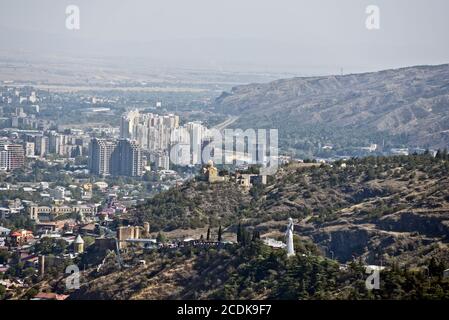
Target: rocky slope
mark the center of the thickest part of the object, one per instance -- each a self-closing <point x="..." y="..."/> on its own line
<point x="381" y="209"/>
<point x="390" y="211"/>
<point x="254" y="271"/>
<point x="409" y="106"/>
<point x="376" y="208"/>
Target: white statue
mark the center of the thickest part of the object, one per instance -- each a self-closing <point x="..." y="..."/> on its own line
<point x="289" y="236"/>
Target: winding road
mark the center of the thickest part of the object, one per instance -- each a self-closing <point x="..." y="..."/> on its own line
<point x="226" y="123"/>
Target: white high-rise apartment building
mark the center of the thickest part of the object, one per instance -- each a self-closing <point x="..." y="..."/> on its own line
<point x="151" y="131"/>
<point x="161" y="133"/>
<point x="127" y="124"/>
<point x="198" y="134"/>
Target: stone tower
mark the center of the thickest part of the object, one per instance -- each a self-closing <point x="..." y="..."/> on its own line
<point x="78" y="245"/>
<point x="146" y="229"/>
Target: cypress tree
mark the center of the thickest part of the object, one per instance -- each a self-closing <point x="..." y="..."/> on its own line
<point x="219" y="233"/>
<point x="256" y="235"/>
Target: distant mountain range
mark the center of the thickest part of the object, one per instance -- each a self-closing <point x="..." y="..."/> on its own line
<point x="408" y="107"/>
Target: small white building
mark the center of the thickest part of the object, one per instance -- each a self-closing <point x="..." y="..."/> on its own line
<point x="4" y="232"/>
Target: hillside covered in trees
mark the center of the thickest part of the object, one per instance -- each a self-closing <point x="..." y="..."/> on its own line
<point x="255" y="271"/>
<point x="380" y="208"/>
<point x="389" y="211"/>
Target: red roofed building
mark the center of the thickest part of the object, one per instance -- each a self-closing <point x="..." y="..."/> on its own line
<point x="21" y="237"/>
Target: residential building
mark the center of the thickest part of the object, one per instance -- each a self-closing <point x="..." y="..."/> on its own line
<point x="116" y="158"/>
<point x="12" y="156"/>
<point x="46" y="213"/>
<point x="130" y="159"/>
<point x="29" y="149"/>
<point x="101" y="157"/>
<point x="151" y="131"/>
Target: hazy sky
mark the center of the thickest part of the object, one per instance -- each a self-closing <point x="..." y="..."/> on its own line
<point x="305" y="36"/>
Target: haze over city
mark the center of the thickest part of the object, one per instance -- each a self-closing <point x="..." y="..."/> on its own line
<point x="299" y="37"/>
<point x="221" y="156"/>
